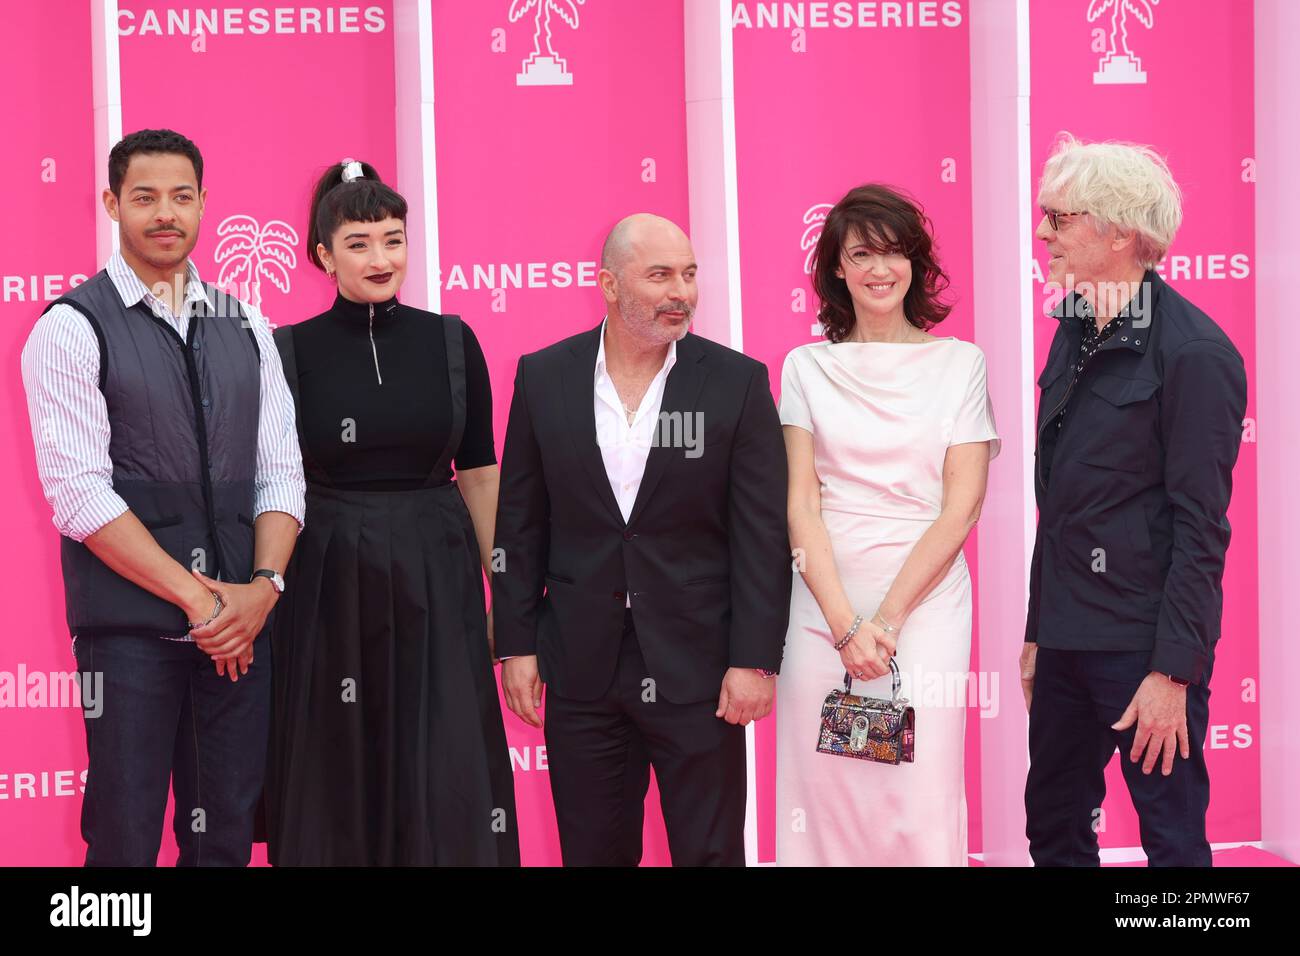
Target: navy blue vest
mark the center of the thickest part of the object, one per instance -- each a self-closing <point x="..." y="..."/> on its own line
<point x="184" y="418"/>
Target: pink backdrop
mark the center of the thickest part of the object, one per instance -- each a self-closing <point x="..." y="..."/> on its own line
<point x="48" y="168"/>
<point x="1196" y="108"/>
<point x="530" y="178"/>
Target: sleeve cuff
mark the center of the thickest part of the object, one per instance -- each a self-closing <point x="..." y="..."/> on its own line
<point x="281" y="498"/>
<point x="513" y="645"/>
<point x="775" y="668"/>
<point x="104" y="507"/>
<point x="1179" y="660"/>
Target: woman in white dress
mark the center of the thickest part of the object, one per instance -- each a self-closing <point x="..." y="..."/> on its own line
<point x="889" y="433"/>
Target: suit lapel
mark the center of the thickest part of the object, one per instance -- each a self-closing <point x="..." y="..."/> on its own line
<point x="580" y="409"/>
<point x="681" y="392"/>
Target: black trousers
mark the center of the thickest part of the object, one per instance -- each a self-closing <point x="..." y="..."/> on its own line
<point x="168" y="717"/>
<point x="1077" y="696"/>
<point x="600" y="753"/>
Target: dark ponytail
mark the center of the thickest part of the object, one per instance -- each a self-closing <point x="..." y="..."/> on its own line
<point x="334" y="202"/>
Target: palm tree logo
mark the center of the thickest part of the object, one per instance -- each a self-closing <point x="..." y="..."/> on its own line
<point x="549" y="68"/>
<point x="249" y="252"/>
<point x="1121" y="65"/>
<point x="814" y="219"/>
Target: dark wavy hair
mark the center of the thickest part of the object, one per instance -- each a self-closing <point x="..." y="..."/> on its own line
<point x="887" y="220"/>
<point x="334" y="202"/>
<point x="152" y="142"/>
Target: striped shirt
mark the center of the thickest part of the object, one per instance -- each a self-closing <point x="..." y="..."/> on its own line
<point x="69" y="417"/>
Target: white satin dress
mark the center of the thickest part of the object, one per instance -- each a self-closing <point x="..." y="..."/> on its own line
<point x="882" y="416"/>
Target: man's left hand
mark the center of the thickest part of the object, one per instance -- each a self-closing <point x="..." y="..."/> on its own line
<point x="746" y="695"/>
<point x="1160" y="709"/>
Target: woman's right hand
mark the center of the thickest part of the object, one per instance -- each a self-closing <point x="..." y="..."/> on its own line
<point x="861" y="657"/>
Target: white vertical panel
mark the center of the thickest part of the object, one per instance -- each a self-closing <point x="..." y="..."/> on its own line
<point x="1277" y="398"/>
<point x="106" y="70"/>
<point x="1004" y="317"/>
<point x="711" y="163"/>
<point x="417" y="168"/>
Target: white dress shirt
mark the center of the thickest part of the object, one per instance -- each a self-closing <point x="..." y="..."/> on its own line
<point x="70" y="426"/>
<point x="625" y="447"/>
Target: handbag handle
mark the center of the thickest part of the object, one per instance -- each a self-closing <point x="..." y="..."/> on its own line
<point x="898" y="680"/>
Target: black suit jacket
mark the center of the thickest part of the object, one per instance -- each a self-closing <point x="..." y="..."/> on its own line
<point x="705" y="553"/>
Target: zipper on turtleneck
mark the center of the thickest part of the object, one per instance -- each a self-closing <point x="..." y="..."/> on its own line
<point x="373" y="350"/>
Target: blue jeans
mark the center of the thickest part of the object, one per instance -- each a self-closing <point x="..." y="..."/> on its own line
<point x="168" y="715"/>
<point x="1077" y="696"/>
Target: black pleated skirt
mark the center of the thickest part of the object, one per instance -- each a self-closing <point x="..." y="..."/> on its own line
<point x="387" y="741"/>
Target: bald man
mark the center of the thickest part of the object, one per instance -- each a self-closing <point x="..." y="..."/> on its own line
<point x="647" y="564"/>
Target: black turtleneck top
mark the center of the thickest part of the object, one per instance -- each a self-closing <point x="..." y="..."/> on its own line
<point x="369" y="436"/>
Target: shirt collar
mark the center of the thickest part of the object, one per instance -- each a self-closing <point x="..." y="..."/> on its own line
<point x="1134" y="338"/>
<point x="1088" y="320"/>
<point x="669" y="360"/>
<point x="133" y="290"/>
<point x="1078" y="307"/>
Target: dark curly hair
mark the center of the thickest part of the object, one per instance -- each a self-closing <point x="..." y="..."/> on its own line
<point x="151" y="141"/>
<point x="887" y="220"/>
<point x="335" y="202"/>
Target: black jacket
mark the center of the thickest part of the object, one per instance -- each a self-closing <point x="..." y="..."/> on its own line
<point x="1132" y="524"/>
<point x="705" y="554"/>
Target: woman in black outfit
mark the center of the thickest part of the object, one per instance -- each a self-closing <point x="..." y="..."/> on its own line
<point x="387" y="745"/>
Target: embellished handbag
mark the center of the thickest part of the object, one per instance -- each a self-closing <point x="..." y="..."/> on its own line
<point x="868" y="728"/>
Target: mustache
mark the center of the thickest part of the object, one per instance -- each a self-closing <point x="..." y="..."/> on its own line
<point x="676" y="305"/>
<point x="154" y="232"/>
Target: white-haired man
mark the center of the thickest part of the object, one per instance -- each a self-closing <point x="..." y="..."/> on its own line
<point x="1139" y="426"/>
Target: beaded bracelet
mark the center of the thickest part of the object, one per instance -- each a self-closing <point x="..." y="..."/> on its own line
<point x="218" y="605"/>
<point x="853" y="629"/>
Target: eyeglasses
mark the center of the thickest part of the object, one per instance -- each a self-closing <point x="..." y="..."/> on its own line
<point x="1053" y="216"/>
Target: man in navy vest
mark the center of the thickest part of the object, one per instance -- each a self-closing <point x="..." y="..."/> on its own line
<point x="166" y="445"/>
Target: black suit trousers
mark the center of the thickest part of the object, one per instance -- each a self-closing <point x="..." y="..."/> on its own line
<point x="600" y="753"/>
